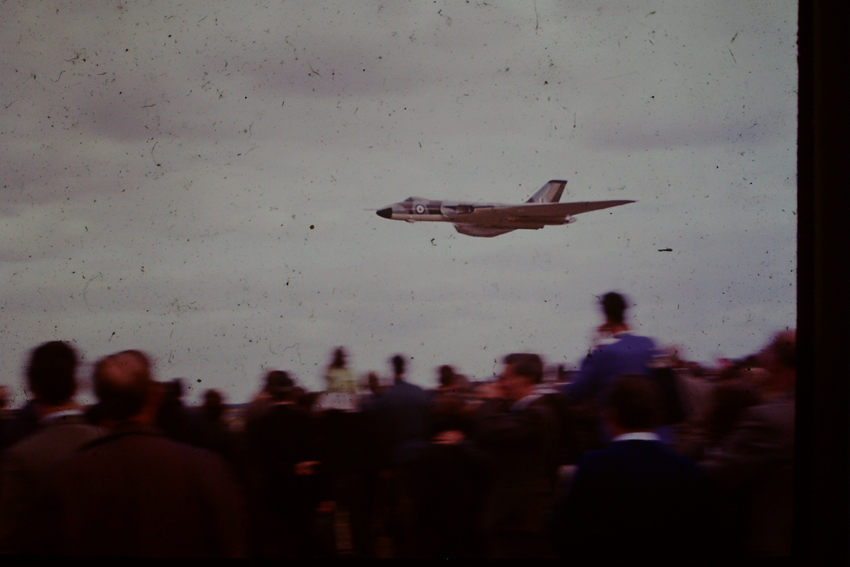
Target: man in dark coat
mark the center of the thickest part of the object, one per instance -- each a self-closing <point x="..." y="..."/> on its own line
<point x="282" y="442"/>
<point x="753" y="467"/>
<point x="61" y="430"/>
<point x="519" y="433"/>
<point x="635" y="500"/>
<point x="404" y="408"/>
<point x="451" y="480"/>
<point x="401" y="416"/>
<point x="134" y="492"/>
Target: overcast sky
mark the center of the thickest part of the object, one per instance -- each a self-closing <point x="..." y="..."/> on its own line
<point x="193" y="179"/>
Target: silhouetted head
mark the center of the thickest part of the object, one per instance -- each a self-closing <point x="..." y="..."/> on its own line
<point x="399" y="364"/>
<point x="51" y="373"/>
<point x="279" y="385"/>
<point x="374" y="383"/>
<point x="521" y="372"/>
<point x="339" y="358"/>
<point x="614" y="307"/>
<point x="447" y="376"/>
<point x="633" y="403"/>
<point x="527" y="365"/>
<point x="123" y="384"/>
<point x="174" y="389"/>
<point x="307" y="399"/>
<point x="213" y="407"/>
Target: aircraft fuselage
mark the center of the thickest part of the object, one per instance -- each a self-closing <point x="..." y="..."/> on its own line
<point x="493" y="219"/>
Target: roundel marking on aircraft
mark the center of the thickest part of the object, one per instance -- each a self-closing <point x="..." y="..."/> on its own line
<point x="420" y="209"/>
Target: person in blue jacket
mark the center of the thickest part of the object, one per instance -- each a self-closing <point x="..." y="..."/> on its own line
<point x="616" y="352"/>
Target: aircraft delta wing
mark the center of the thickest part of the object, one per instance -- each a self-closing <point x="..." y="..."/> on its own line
<point x="493" y="219"/>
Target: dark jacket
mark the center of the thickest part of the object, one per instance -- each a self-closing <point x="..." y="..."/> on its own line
<point x="403" y="410"/>
<point x="279" y="439"/>
<point x="754" y="472"/>
<point x="521" y="446"/>
<point x="24" y="465"/>
<point x="136" y="493"/>
<point x="451" y="481"/>
<point x="634" y="500"/>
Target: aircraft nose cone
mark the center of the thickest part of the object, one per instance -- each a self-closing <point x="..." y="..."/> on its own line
<point x="386" y="213"/>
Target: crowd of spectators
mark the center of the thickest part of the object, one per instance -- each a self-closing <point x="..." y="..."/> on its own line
<point x="637" y="454"/>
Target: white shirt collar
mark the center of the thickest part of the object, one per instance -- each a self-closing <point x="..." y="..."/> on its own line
<point x="637" y="436"/>
<point x="613" y="338"/>
<point x="520" y="405"/>
<point x="544" y="388"/>
<point x="51" y="417"/>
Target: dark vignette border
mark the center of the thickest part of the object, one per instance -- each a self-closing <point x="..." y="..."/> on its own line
<point x="822" y="498"/>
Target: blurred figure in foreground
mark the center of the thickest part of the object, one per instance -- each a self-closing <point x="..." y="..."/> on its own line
<point x="343" y="451"/>
<point x="261" y="402"/>
<point x="753" y="466"/>
<point x="615" y="352"/>
<point x="400" y="416"/>
<point x="173" y="417"/>
<point x="451" y="477"/>
<point x="730" y="395"/>
<point x="449" y="408"/>
<point x="51" y="376"/>
<point x="212" y="409"/>
<point x="635" y="500"/>
<point x="135" y="493"/>
<point x="375" y="444"/>
<point x="404" y="408"/>
<point x="24" y="422"/>
<point x="518" y="431"/>
<point x="282" y="442"/>
<point x="213" y="433"/>
<point x="341" y="391"/>
<point x="339" y="377"/>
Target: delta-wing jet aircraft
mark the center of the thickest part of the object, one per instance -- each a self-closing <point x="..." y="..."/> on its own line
<point x="493" y="219"/>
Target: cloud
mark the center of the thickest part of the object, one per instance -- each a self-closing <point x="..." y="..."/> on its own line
<point x="630" y="135"/>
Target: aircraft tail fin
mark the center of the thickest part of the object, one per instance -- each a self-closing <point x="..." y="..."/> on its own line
<point x="549" y="193"/>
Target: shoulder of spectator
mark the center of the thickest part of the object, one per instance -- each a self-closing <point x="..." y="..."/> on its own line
<point x="507" y="427"/>
<point x="751" y="445"/>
